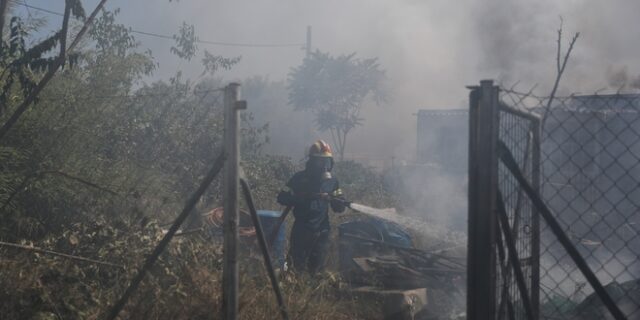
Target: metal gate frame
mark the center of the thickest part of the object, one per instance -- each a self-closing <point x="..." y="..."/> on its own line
<point x="489" y="227"/>
<point x="492" y="253"/>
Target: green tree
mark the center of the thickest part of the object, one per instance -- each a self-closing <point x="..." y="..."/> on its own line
<point x="34" y="63"/>
<point x="335" y="90"/>
<point x="101" y="142"/>
<point x="52" y="169"/>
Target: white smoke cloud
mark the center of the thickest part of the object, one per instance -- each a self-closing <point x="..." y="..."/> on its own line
<point x="430" y="49"/>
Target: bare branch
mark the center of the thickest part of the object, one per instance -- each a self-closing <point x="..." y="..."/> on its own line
<point x="561" y="67"/>
<point x="344" y="144"/>
<point x="333" y="137"/>
<point x="559" y="45"/>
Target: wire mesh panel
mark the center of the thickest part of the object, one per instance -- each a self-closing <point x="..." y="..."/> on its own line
<point x="590" y="181"/>
<point x="519" y="132"/>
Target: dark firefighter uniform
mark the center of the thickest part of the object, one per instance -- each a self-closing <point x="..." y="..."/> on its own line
<point x="311" y="192"/>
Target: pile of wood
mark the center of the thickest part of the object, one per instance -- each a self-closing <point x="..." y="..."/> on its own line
<point x="399" y="277"/>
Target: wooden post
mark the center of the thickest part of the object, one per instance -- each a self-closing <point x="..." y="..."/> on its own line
<point x="230" y="193"/>
<point x="483" y="179"/>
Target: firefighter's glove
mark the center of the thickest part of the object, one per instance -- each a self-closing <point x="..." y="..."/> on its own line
<point x="287" y="198"/>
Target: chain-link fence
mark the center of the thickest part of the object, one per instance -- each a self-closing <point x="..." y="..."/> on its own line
<point x="590" y="182"/>
<point x="554" y="192"/>
<point x="520" y="133"/>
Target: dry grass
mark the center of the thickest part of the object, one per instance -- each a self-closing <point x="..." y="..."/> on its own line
<point x="185" y="283"/>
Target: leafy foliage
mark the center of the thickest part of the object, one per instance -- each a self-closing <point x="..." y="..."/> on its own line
<point x="77" y="9"/>
<point x="213" y="63"/>
<point x="335" y="89"/>
<point x="104" y="161"/>
<point x="186" y="42"/>
<point x="110" y="37"/>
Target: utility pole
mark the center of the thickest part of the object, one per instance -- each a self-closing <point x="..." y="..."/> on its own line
<point x="230" y="278"/>
<point x="308" y="45"/>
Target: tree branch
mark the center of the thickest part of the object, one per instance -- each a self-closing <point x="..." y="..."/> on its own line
<point x="334" y="138"/>
<point x="561" y="67"/>
<point x="344" y="143"/>
<point x="559" y="45"/>
<point x="50" y="73"/>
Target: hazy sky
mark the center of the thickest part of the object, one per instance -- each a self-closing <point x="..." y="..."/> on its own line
<point x="430" y="49"/>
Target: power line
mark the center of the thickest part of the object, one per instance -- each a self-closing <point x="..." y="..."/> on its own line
<point x="229" y="44"/>
<point x="37" y="8"/>
<point x="135" y="95"/>
<point x="28" y="11"/>
<point x="162" y="36"/>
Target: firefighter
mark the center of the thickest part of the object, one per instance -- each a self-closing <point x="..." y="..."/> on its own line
<point x="311" y="192"/>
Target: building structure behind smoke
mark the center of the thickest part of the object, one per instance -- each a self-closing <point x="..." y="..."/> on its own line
<point x="442" y="139"/>
<point x="589" y="161"/>
<point x="435" y="184"/>
<point x="591" y="167"/>
<point x="598" y="155"/>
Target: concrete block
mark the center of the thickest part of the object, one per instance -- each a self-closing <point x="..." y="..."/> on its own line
<point x="394" y="304"/>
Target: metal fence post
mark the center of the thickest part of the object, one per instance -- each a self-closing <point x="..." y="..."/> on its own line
<point x="535" y="218"/>
<point x="230" y="186"/>
<point x="483" y="179"/>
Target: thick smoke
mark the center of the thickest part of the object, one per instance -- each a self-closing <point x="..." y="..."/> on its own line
<point x="429" y="49"/>
<point x="621" y="79"/>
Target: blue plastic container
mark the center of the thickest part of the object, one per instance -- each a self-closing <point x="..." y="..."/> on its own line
<point x="268" y="220"/>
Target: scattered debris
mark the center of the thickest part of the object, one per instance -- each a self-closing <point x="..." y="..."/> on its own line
<point x="379" y="261"/>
